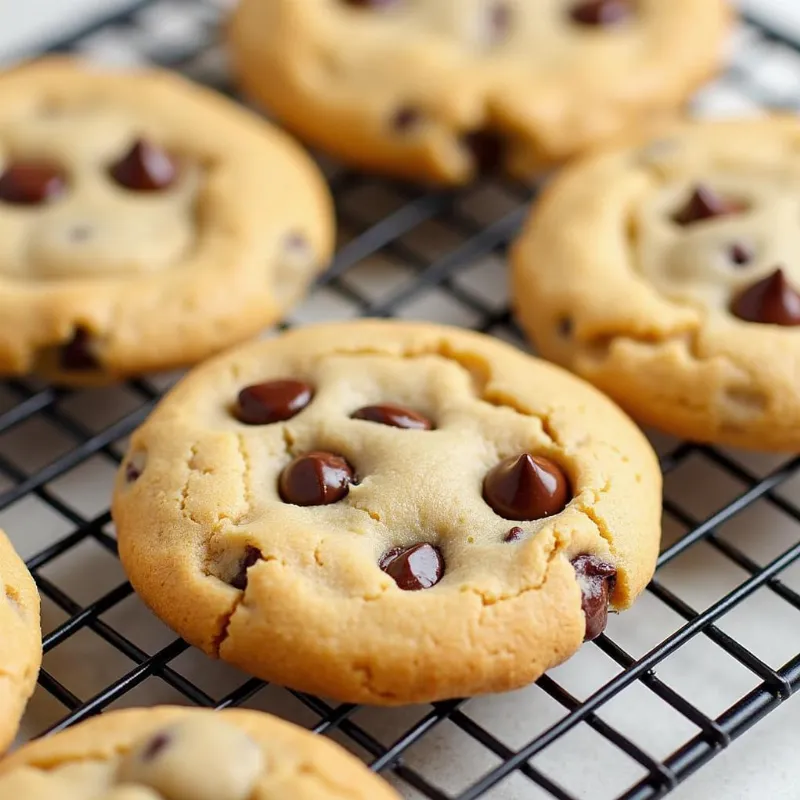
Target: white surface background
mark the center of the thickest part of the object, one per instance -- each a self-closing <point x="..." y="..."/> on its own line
<point x="766" y="763"/>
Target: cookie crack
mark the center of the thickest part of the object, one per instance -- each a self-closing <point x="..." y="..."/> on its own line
<point x="247" y="472"/>
<point x="184" y="496"/>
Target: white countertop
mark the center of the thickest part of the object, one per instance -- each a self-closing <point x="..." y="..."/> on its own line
<point x="764" y="765"/>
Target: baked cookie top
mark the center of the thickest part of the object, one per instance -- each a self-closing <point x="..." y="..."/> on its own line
<point x="144" y="222"/>
<point x="387" y="512"/>
<point x="171" y="753"/>
<point x="436" y="89"/>
<point x="20" y="640"/>
<point x="667" y="272"/>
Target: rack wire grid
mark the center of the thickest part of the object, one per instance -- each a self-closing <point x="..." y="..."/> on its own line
<point x="710" y="649"/>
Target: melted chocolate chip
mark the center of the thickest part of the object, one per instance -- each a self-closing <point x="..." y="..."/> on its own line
<point x="500" y="17"/>
<point x="772" y="300"/>
<point x="145" y="167"/>
<point x="565" y="327"/>
<point x="29" y="183"/>
<point x="155" y="746"/>
<point x="703" y="204"/>
<point x="740" y="254"/>
<point x="132" y="472"/>
<point x="601" y="12"/>
<point x="273" y="401"/>
<point x="526" y="487"/>
<point x="487" y="149"/>
<point x="406" y="118"/>
<point x="315" y="479"/>
<point x="77" y="353"/>
<point x="514" y="535"/>
<point x="413" y="568"/>
<point x="596" y="579"/>
<point x="394" y="416"/>
<point x="252" y="555"/>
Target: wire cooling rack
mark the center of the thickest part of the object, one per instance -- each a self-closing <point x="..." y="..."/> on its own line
<point x="710" y="649"/>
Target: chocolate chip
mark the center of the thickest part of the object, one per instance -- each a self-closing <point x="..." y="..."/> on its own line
<point x="413" y="568"/>
<point x="526" y="487"/>
<point x="565" y="327"/>
<point x="596" y="579"/>
<point x="500" y="17"/>
<point x="273" y="401"/>
<point x="703" y="204"/>
<point x="394" y="416"/>
<point x="77" y="353"/>
<point x="406" y="118"/>
<point x="487" y="149"/>
<point x="252" y="555"/>
<point x="601" y="12"/>
<point x="514" y="535"/>
<point x="29" y="183"/>
<point x="740" y="253"/>
<point x="772" y="300"/>
<point x="135" y="467"/>
<point x="145" y="167"/>
<point x="315" y="479"/>
<point x="155" y="746"/>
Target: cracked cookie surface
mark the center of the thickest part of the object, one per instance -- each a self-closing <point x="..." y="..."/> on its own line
<point x="20" y="640"/>
<point x="171" y="753"/>
<point x="440" y="89"/>
<point x="387" y="512"/>
<point x="666" y="272"/>
<point x="145" y="222"/>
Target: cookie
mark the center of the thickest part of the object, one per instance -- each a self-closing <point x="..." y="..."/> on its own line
<point x="145" y="222"/>
<point x="440" y="89"/>
<point x="172" y="753"/>
<point x="387" y="512"/>
<point x="20" y="640"/>
<point x="666" y="272"/>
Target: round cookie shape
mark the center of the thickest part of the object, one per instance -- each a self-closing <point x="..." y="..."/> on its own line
<point x="145" y="222"/>
<point x="403" y="583"/>
<point x="439" y="90"/>
<point x="666" y="271"/>
<point x="20" y="640"/>
<point x="171" y="753"/>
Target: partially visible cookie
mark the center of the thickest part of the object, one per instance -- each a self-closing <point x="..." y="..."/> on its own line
<point x="171" y="753"/>
<point x="667" y="272"/>
<point x="440" y="89"/>
<point x="145" y="222"/>
<point x="20" y="640"/>
<point x="387" y="512"/>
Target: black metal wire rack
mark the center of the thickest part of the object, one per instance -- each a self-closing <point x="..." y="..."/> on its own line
<point x="418" y="254"/>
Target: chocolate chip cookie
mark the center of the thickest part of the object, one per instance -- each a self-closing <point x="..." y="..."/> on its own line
<point x="20" y="640"/>
<point x="441" y="89"/>
<point x="667" y="273"/>
<point x="187" y="754"/>
<point x="144" y="222"/>
<point x="387" y="512"/>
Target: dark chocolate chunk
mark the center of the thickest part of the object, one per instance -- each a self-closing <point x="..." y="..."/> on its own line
<point x="601" y="12"/>
<point x="315" y="479"/>
<point x="740" y="254"/>
<point x="514" y="535"/>
<point x="252" y="555"/>
<point x="77" y="353"/>
<point x="394" y="416"/>
<point x="145" y="167"/>
<point x="413" y="568"/>
<point x="29" y="183"/>
<point x="406" y="118"/>
<point x="526" y="487"/>
<point x="703" y="204"/>
<point x="273" y="401"/>
<point x="487" y="148"/>
<point x="596" y="579"/>
<point x="133" y="471"/>
<point x="155" y="746"/>
<point x="772" y="300"/>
